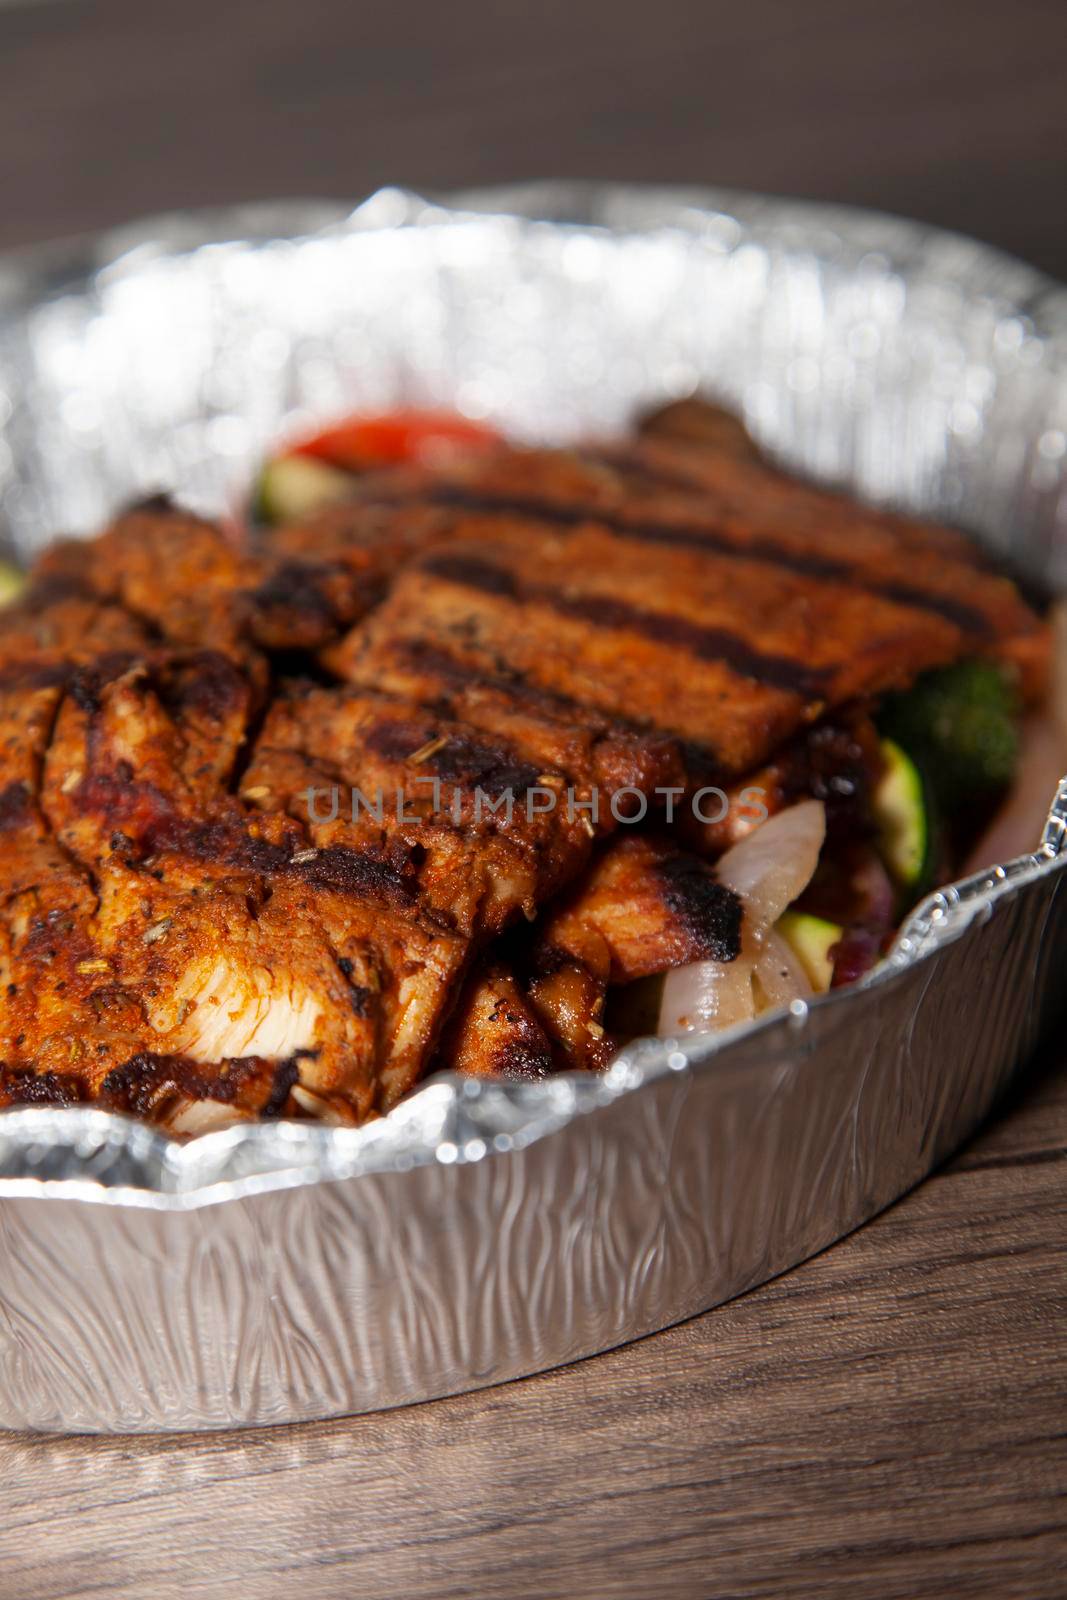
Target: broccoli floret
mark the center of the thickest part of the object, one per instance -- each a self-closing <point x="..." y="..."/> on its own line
<point x="961" y="724"/>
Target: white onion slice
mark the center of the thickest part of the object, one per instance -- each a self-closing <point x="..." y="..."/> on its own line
<point x="774" y="864"/>
<point x="779" y="975"/>
<point x="769" y="868"/>
<point x="705" y="996"/>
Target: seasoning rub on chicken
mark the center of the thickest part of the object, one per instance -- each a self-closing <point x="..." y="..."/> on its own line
<point x="525" y="664"/>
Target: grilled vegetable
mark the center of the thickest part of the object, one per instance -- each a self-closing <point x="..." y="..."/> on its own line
<point x="361" y="444"/>
<point x="961" y="725"/>
<point x="813" y="942"/>
<point x="292" y="487"/>
<point x="12" y="583"/>
<point x="318" y="471"/>
<point x="779" y="976"/>
<point x="768" y="869"/>
<point x="903" y="811"/>
<point x="526" y="625"/>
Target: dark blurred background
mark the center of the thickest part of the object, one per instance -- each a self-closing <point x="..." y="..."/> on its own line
<point x="954" y="112"/>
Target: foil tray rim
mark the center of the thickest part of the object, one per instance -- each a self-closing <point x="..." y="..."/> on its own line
<point x="100" y="1157"/>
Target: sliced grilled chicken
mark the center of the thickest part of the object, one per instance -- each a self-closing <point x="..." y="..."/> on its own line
<point x="191" y="584"/>
<point x="760" y="539"/>
<point x="643" y="907"/>
<point x="175" y="925"/>
<point x="494" y="1031"/>
<point x="713" y="653"/>
<point x="490" y="832"/>
<point x="192" y="931"/>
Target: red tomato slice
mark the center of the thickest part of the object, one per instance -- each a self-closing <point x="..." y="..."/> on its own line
<point x="361" y="443"/>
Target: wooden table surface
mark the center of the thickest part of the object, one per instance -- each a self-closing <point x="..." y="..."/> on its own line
<point x="891" y="1418"/>
<point x="888" y="1420"/>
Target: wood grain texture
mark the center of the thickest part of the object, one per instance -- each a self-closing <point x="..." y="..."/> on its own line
<point x="953" y="112"/>
<point x="889" y="1420"/>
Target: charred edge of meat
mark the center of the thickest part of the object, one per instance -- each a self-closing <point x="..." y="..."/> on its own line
<point x="87" y="684"/>
<point x="150" y="826"/>
<point x="299" y="586"/>
<point x="702" y="537"/>
<point x="147" y="1078"/>
<point x="710" y="912"/>
<point x="204" y="684"/>
<point x="710" y="644"/>
<point x="523" y="1061"/>
<point x="567" y="998"/>
<point x="21" y="1086"/>
<point x="461" y="759"/>
<point x="286" y="1075"/>
<point x="336" y="867"/>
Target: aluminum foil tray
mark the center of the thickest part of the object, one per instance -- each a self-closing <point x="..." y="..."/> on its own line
<point x="483" y="1231"/>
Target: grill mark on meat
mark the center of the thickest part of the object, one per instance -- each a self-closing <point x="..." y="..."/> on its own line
<point x="637" y="473"/>
<point x="336" y="867"/>
<point x="699" y="537"/>
<point x="701" y="766"/>
<point x="352" y="871"/>
<point x="297" y="586"/>
<point x="16" y="808"/>
<point x="964" y="617"/>
<point x="710" y="911"/>
<point x="152" y="826"/>
<point x="473" y="573"/>
<point x="710" y="644"/>
<point x="425" y="656"/>
<point x="461" y="759"/>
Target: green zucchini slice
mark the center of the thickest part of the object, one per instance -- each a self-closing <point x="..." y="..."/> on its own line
<point x="12" y="583"/>
<point x="902" y="812"/>
<point x="812" y="941"/>
<point x="291" y="487"/>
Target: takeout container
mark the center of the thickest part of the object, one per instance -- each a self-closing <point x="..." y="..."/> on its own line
<point x="483" y="1230"/>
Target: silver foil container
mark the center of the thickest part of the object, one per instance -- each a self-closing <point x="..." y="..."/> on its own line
<point x="482" y="1231"/>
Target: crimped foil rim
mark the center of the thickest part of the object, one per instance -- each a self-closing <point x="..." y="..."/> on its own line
<point x="98" y="1156"/>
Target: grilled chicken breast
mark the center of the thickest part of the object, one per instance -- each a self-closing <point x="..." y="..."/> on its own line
<point x="286" y="819"/>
